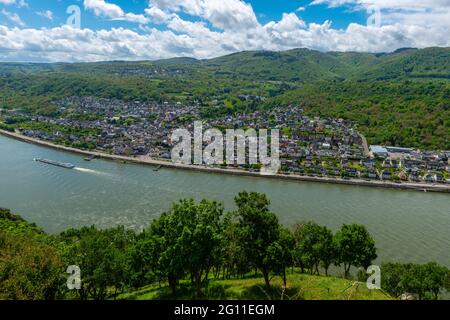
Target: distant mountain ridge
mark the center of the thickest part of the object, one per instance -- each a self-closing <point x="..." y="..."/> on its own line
<point x="291" y="65"/>
<point x="311" y="65"/>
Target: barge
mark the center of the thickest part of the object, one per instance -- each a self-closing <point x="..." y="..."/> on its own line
<point x="55" y="163"/>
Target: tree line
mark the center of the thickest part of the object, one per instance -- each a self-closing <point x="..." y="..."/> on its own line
<point x="195" y="242"/>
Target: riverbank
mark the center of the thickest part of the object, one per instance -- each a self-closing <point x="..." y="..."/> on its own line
<point x="167" y="164"/>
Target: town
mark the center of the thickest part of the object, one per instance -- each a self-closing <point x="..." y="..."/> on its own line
<point x="309" y="146"/>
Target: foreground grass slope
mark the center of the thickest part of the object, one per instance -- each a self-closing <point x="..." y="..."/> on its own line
<point x="300" y="287"/>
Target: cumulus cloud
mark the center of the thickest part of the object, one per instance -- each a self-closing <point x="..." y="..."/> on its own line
<point x="112" y="11"/>
<point x="408" y="12"/>
<point x="218" y="27"/>
<point x="385" y="3"/>
<point x="19" y="3"/>
<point x="222" y="14"/>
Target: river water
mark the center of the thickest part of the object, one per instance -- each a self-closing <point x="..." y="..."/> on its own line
<point x="408" y="226"/>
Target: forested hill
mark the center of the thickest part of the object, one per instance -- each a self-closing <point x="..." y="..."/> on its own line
<point x="309" y="65"/>
<point x="400" y="98"/>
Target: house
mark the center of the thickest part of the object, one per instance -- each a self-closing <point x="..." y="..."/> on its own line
<point x="415" y="177"/>
<point x="371" y="174"/>
<point x="352" y="172"/>
<point x="439" y="178"/>
<point x="435" y="165"/>
<point x="411" y="164"/>
<point x="334" y="172"/>
<point x="386" y="175"/>
<point x="368" y="163"/>
<point x="403" y="176"/>
<point x="394" y="163"/>
<point x="429" y="177"/>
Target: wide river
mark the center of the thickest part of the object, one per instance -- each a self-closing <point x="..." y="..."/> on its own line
<point x="408" y="226"/>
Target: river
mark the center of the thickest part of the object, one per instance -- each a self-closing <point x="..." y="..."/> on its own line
<point x="408" y="226"/>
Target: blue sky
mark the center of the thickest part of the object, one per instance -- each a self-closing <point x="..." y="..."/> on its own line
<point x="37" y="30"/>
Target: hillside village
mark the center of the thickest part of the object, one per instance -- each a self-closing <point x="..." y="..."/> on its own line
<point x="309" y="146"/>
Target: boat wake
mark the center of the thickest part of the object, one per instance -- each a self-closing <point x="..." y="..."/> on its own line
<point x="99" y="173"/>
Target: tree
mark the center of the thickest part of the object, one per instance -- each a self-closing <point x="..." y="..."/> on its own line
<point x="233" y="257"/>
<point x="314" y="246"/>
<point x="102" y="258"/>
<point x="169" y="264"/>
<point x="327" y="249"/>
<point x="280" y="253"/>
<point x="354" y="247"/>
<point x="143" y="260"/>
<point x="29" y="270"/>
<point x="188" y="237"/>
<point x="201" y="241"/>
<point x="426" y="280"/>
<point x="435" y="278"/>
<point x="391" y="278"/>
<point x="258" y="230"/>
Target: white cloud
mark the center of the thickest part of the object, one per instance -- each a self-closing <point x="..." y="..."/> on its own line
<point x="7" y="2"/>
<point x="222" y="14"/>
<point x="288" y="23"/>
<point x="386" y="3"/>
<point x="19" y="3"/>
<point x="13" y="17"/>
<point x="112" y="11"/>
<point x="218" y="27"/>
<point x="45" y="14"/>
<point x="410" y="12"/>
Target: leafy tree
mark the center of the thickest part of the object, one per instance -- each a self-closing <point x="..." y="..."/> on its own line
<point x="189" y="239"/>
<point x="427" y="281"/>
<point x="314" y="246"/>
<point x="354" y="247"/>
<point x="327" y="249"/>
<point x="143" y="260"/>
<point x="280" y="253"/>
<point x="201" y="239"/>
<point x="435" y="278"/>
<point x="391" y="278"/>
<point x="102" y="258"/>
<point x="29" y="269"/>
<point x="233" y="254"/>
<point x="258" y="230"/>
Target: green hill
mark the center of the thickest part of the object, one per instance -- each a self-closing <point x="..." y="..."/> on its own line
<point x="310" y="65"/>
<point x="292" y="65"/>
<point x="410" y="63"/>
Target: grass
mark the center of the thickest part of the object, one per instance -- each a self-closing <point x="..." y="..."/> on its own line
<point x="299" y="287"/>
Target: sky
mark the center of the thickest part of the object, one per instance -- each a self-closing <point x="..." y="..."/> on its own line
<point x="98" y="30"/>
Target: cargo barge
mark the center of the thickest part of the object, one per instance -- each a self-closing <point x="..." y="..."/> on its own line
<point x="55" y="163"/>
